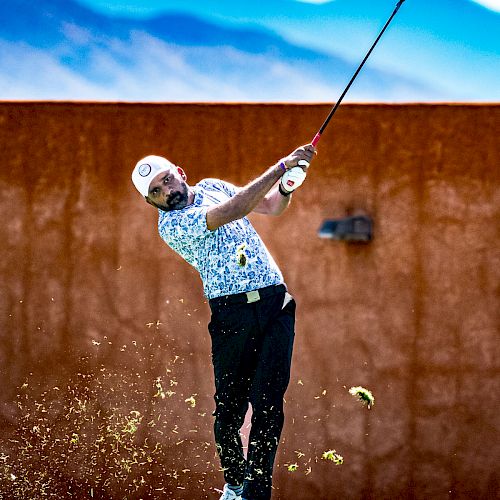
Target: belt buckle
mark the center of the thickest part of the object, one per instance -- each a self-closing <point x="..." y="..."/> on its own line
<point x="253" y="296"/>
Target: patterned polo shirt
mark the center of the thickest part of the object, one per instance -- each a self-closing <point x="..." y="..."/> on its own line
<point x="231" y="259"/>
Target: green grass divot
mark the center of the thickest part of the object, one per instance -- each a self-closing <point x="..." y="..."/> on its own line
<point x="364" y="395"/>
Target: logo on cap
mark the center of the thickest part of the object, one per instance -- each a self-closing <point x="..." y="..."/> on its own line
<point x="144" y="170"/>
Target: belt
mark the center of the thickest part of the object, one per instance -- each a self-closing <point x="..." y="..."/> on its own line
<point x="247" y="297"/>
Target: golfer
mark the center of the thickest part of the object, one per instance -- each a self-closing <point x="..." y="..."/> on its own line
<point x="253" y="316"/>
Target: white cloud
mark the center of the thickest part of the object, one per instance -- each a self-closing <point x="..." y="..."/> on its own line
<point x="489" y="4"/>
<point x="144" y="68"/>
<point x="29" y="73"/>
<point x="76" y="34"/>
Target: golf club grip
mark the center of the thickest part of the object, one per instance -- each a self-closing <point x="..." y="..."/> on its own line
<point x="316" y="139"/>
<point x="305" y="163"/>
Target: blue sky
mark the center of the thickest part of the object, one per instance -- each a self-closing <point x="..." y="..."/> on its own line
<point x="152" y="7"/>
<point x="424" y="41"/>
<point x="434" y="50"/>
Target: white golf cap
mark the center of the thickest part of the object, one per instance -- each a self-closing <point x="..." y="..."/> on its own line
<point x="146" y="170"/>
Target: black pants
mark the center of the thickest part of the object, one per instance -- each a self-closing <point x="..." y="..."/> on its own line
<point x="251" y="353"/>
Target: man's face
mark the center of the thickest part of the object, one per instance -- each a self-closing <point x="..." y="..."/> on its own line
<point x="168" y="190"/>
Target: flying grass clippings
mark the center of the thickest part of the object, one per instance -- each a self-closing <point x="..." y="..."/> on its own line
<point x="333" y="456"/>
<point x="117" y="455"/>
<point x="191" y="401"/>
<point x="364" y="395"/>
<point x="100" y="428"/>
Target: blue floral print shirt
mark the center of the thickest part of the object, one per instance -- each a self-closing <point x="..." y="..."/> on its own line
<point x="231" y="259"/>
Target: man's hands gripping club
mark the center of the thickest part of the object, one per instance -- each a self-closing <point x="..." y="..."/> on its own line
<point x="296" y="165"/>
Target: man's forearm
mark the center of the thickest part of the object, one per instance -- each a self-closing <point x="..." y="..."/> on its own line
<point x="245" y="201"/>
<point x="274" y="202"/>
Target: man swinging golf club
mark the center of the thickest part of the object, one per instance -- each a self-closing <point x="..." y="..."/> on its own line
<point x="253" y="316"/>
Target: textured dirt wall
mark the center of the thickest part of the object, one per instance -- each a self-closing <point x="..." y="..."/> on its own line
<point x="104" y="354"/>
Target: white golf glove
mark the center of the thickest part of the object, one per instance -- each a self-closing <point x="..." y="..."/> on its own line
<point x="291" y="180"/>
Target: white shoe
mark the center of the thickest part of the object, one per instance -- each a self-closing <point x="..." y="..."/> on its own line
<point x="228" y="494"/>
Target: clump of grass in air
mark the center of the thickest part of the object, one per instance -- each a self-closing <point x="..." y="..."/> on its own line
<point x="364" y="395"/>
<point x="191" y="401"/>
<point x="332" y="455"/>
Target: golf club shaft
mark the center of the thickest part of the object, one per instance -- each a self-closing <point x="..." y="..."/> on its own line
<point x="337" y="104"/>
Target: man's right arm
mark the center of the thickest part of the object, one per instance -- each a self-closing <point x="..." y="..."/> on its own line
<point x="248" y="197"/>
<point x="244" y="201"/>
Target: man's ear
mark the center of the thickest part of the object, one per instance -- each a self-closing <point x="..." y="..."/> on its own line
<point x="182" y="173"/>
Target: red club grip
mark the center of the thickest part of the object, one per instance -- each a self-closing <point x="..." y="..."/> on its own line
<point x="316" y="139"/>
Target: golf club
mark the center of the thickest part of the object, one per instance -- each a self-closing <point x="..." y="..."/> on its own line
<point x="337" y="104"/>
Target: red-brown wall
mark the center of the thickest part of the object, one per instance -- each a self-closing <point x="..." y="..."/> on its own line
<point x="104" y="353"/>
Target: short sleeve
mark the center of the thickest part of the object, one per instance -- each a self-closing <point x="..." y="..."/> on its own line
<point x="218" y="185"/>
<point x="228" y="188"/>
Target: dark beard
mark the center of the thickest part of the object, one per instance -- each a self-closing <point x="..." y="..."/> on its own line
<point x="176" y="201"/>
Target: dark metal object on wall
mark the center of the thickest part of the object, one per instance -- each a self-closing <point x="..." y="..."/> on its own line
<point x="357" y="228"/>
